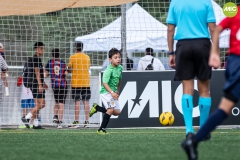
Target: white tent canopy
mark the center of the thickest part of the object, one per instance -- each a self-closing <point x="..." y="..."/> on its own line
<point x="141" y="28"/>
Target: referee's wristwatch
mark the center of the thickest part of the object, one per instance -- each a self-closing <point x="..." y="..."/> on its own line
<point x="170" y="53"/>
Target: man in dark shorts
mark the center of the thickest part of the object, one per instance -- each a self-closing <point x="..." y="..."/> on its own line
<point x="38" y="87"/>
<point x="79" y="65"/>
<point x="56" y="68"/>
<point x="231" y="88"/>
<point x="192" y="19"/>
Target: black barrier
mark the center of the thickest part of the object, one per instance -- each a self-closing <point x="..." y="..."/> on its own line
<point x="145" y="95"/>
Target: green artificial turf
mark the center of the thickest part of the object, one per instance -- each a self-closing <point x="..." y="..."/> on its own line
<point x="124" y="144"/>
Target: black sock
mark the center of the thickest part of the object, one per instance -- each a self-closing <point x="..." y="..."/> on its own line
<point x="101" y="109"/>
<point x="105" y="121"/>
<point x="213" y="121"/>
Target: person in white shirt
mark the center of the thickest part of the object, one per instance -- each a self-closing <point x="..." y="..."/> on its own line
<point x="148" y="59"/>
<point x="27" y="101"/>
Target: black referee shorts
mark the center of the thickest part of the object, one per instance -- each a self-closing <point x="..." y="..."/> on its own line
<point x="192" y="57"/>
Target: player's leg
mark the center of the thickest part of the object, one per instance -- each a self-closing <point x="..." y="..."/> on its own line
<point x="204" y="102"/>
<point x="5" y="82"/>
<point x="110" y="104"/>
<point x="55" y="117"/>
<point x="106" y="118"/>
<point x="86" y="95"/>
<point x="41" y="105"/>
<point x="76" y="97"/>
<point x="31" y="105"/>
<point x="187" y="104"/>
<point x="117" y="110"/>
<point x="56" y="106"/>
<point x="28" y="117"/>
<point x="61" y="99"/>
<point x="96" y="108"/>
<point x="24" y="110"/>
<point x="185" y="72"/>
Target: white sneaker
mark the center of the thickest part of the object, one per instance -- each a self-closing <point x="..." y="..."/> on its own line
<point x="59" y="127"/>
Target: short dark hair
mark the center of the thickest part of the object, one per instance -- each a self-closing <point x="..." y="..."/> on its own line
<point x="56" y="53"/>
<point x="38" y="44"/>
<point x="79" y="46"/>
<point x="149" y="51"/>
<point x="112" y="52"/>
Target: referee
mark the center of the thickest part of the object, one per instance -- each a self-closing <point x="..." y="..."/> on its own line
<point x="193" y="20"/>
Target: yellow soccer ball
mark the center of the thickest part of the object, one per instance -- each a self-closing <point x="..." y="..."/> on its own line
<point x="166" y="118"/>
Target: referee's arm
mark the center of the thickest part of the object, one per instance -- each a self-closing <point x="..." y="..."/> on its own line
<point x="170" y="34"/>
<point x="211" y="26"/>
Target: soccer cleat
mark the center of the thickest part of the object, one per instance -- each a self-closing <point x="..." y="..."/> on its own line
<point x="38" y="127"/>
<point x="101" y="132"/>
<point x="23" y="126"/>
<point x="55" y="119"/>
<point x="75" y="124"/>
<point x="86" y="122"/>
<point x="26" y="122"/>
<point x="189" y="145"/>
<point x="93" y="109"/>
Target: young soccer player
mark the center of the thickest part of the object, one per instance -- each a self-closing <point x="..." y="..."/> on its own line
<point x="109" y="92"/>
<point x="232" y="84"/>
<point x="27" y="101"/>
<point x="192" y="19"/>
<point x="56" y="68"/>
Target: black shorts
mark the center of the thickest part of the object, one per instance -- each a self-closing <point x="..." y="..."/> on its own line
<point x="60" y="94"/>
<point x="83" y="93"/>
<point x="192" y="57"/>
<point x="36" y="93"/>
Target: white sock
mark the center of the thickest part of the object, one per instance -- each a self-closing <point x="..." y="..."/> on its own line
<point x="35" y="122"/>
<point x="29" y="115"/>
<point x="6" y="91"/>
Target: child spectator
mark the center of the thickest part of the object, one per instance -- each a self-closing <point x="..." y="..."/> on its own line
<point x="27" y="101"/>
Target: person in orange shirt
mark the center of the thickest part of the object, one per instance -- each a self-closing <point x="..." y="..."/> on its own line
<point x="79" y="65"/>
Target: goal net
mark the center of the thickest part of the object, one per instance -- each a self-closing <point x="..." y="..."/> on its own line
<point x="99" y="28"/>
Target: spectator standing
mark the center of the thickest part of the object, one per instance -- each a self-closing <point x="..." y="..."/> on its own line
<point x="129" y="63"/>
<point x="3" y="67"/>
<point x="38" y="87"/>
<point x="145" y="61"/>
<point x="56" y="68"/>
<point x="4" y="72"/>
<point x="79" y="65"/>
